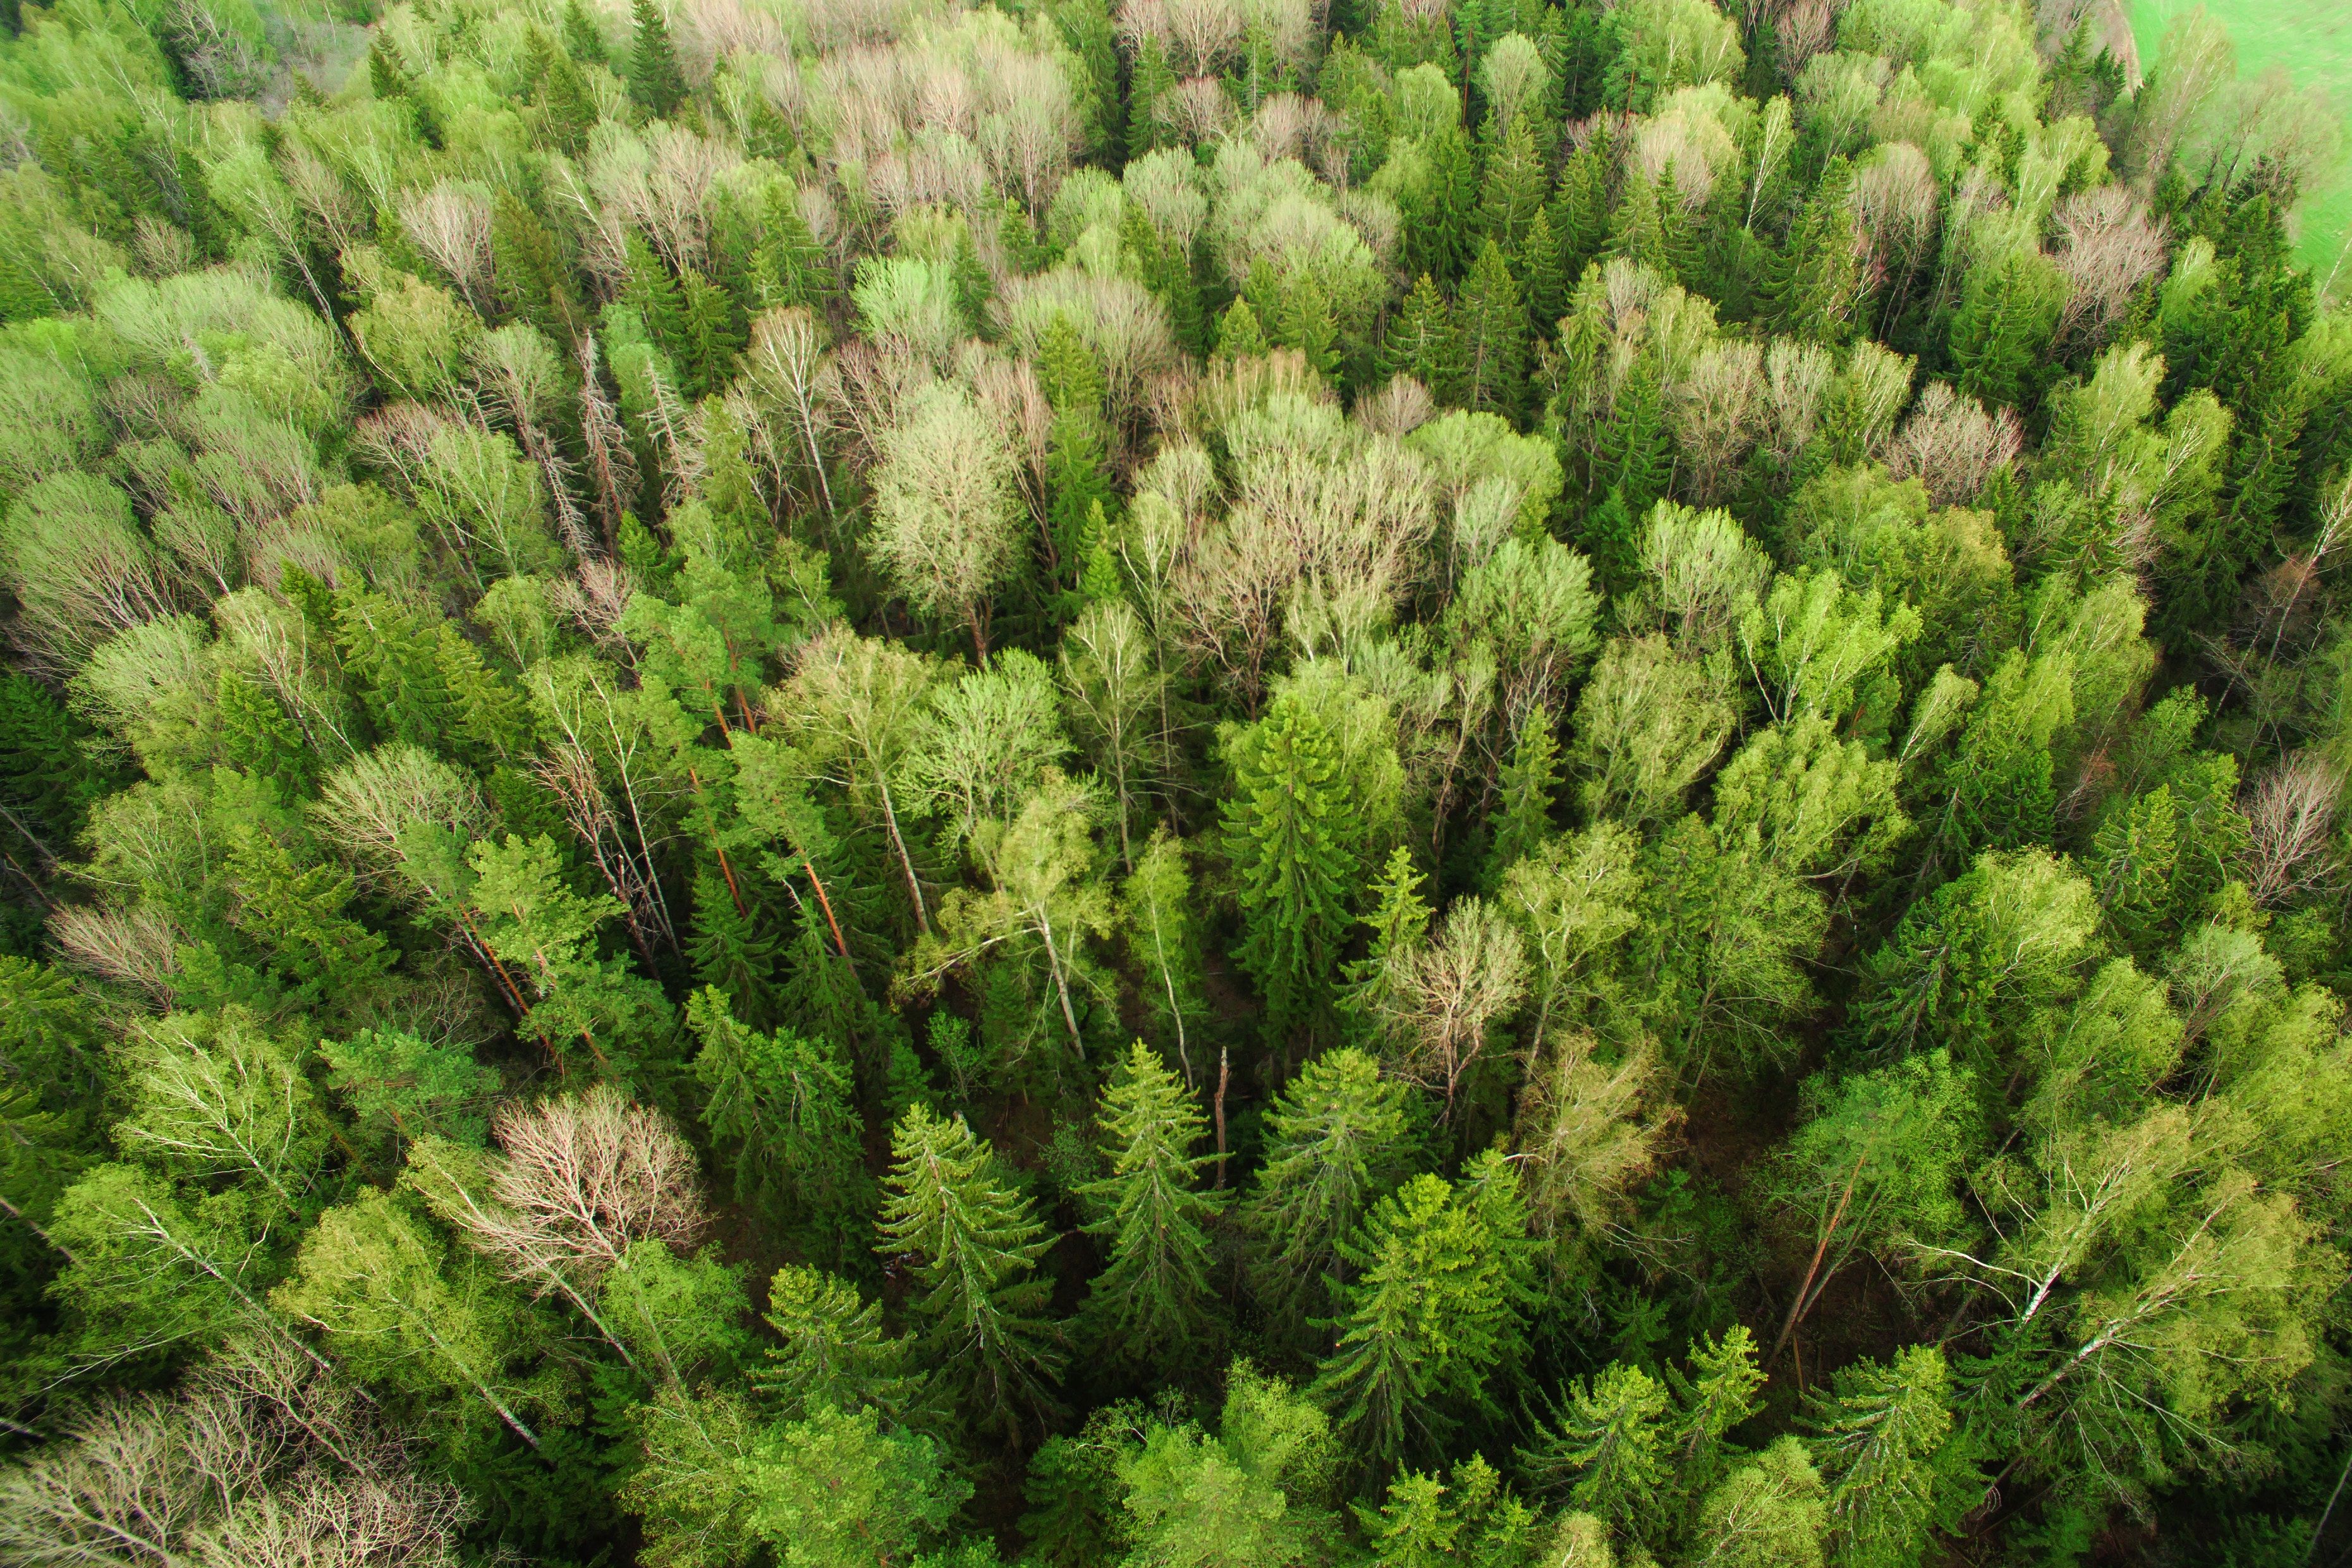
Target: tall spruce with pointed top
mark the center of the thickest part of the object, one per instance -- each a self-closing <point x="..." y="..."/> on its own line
<point x="657" y="83"/>
<point x="1877" y="1438"/>
<point x="1335" y="1142"/>
<point x="1152" y="1306"/>
<point x="1291" y="835"/>
<point x="972" y="1244"/>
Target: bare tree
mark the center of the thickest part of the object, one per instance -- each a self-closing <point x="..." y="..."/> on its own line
<point x="1953" y="446"/>
<point x="2112" y="247"/>
<point x="2292" y="816"/>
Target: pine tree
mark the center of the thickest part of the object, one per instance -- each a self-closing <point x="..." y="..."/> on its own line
<point x="788" y="265"/>
<point x="1717" y="1393"/>
<point x="1149" y="80"/>
<point x="1151" y="1305"/>
<point x="657" y="83"/>
<point x="1530" y="783"/>
<point x="1876" y="1440"/>
<point x="1420" y="342"/>
<point x="1398" y="919"/>
<point x="1335" y="1142"/>
<point x="831" y="1351"/>
<point x="1291" y="835"/>
<point x="319" y="955"/>
<point x="972" y="1245"/>
<point x="1490" y="336"/>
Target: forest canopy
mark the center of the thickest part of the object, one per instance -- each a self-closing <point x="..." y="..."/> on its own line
<point x="1195" y="784"/>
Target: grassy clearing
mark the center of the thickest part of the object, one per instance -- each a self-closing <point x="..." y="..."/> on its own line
<point x="2312" y="41"/>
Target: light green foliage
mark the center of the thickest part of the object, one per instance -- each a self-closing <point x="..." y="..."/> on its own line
<point x="834" y="1490"/>
<point x="389" y="1299"/>
<point x="1256" y="1493"/>
<point x="1470" y="1519"/>
<point x="1768" y="1513"/>
<point x="1648" y="724"/>
<point x="1443" y="1282"/>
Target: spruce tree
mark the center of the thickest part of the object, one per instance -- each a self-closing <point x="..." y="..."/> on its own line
<point x="1814" y="287"/>
<point x="1335" y="1142"/>
<point x="1530" y="783"/>
<point x="2002" y="337"/>
<point x="583" y="39"/>
<point x="1606" y="1447"/>
<point x="657" y="82"/>
<point x="1540" y="263"/>
<point x="390" y="653"/>
<point x="972" y="1245"/>
<point x="1875" y="1439"/>
<point x="730" y="950"/>
<point x="1490" y="336"/>
<point x="710" y="334"/>
<point x="1513" y="192"/>
<point x="257" y="735"/>
<point x="781" y="1106"/>
<point x="1420" y="342"/>
<point x="1239" y="337"/>
<point x="1580" y="208"/>
<point x="1151" y="1305"/>
<point x="1292" y="834"/>
<point x="532" y="274"/>
<point x="1436" y="1310"/>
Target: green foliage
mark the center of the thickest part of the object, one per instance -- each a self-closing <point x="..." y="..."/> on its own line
<point x="1292" y="835"/>
<point x="972" y="1247"/>
<point x="1155" y="1291"/>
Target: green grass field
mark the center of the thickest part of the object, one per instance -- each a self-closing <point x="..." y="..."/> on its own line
<point x="2312" y="39"/>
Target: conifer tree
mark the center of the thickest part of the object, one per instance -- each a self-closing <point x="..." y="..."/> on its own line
<point x="2002" y="337"/>
<point x="321" y="956"/>
<point x="1436" y="1309"/>
<point x="583" y="39"/>
<point x="1291" y="836"/>
<point x="657" y="83"/>
<point x="973" y="1245"/>
<point x="1580" y="208"/>
<point x="730" y="950"/>
<point x="831" y="1351"/>
<point x="257" y="735"/>
<point x="1420" y="342"/>
<point x="1239" y="336"/>
<point x="1542" y="265"/>
<point x="1815" y="286"/>
<point x="1490" y="336"/>
<point x="1513" y="189"/>
<point x="710" y="334"/>
<point x="1530" y="784"/>
<point x="1153" y="1301"/>
<point x="781" y="1106"/>
<point x="564" y="99"/>
<point x="1877" y="1435"/>
<point x="1335" y="1142"/>
<point x="653" y="291"/>
<point x="531" y="269"/>
<point x="1607" y="1447"/>
<point x="1399" y="918"/>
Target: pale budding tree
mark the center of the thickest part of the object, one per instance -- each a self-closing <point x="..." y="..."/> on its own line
<point x="947" y="516"/>
<point x="1046" y="901"/>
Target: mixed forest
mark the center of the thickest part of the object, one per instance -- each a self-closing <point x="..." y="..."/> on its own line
<point x="1210" y="784"/>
